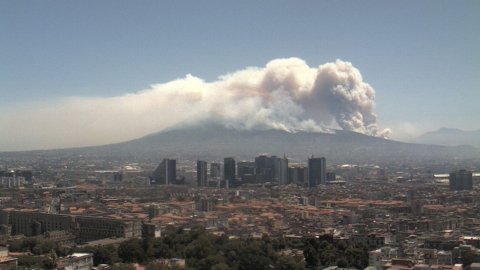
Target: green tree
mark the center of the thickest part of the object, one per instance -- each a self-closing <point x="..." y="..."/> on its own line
<point x="48" y="263"/>
<point x="131" y="251"/>
<point x="123" y="266"/>
<point x="106" y="254"/>
<point x="468" y="257"/>
<point x="43" y="246"/>
<point x="342" y="263"/>
<point x="311" y="256"/>
<point x="289" y="263"/>
<point x="220" y="266"/>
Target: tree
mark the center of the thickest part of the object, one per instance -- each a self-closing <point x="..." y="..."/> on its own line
<point x="157" y="266"/>
<point x="48" y="263"/>
<point x="123" y="266"/>
<point x="220" y="266"/>
<point x="131" y="251"/>
<point x="105" y="254"/>
<point x="289" y="263"/>
<point x="44" y="246"/>
<point x="311" y="256"/>
<point x="468" y="257"/>
<point x="342" y="263"/>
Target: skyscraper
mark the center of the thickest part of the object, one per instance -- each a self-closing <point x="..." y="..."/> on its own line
<point x="461" y="180"/>
<point x="246" y="171"/>
<point x="298" y="174"/>
<point x="229" y="168"/>
<point x="317" y="171"/>
<point x="281" y="170"/>
<point x="165" y="173"/>
<point x="201" y="173"/>
<point x="271" y="169"/>
<point x="265" y="168"/>
<point x="215" y="170"/>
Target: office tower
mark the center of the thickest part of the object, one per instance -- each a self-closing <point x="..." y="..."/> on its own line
<point x="165" y="173"/>
<point x="215" y="170"/>
<point x="271" y="169"/>
<point x="461" y="180"/>
<point x="229" y="169"/>
<point x="298" y="173"/>
<point x="265" y="170"/>
<point x="246" y="171"/>
<point x="316" y="171"/>
<point x="201" y="173"/>
<point x="281" y="171"/>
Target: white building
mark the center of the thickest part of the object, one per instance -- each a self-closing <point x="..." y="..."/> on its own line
<point x="379" y="257"/>
<point x="76" y="261"/>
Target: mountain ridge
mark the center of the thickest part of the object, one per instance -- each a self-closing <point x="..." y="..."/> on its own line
<point x="215" y="141"/>
<point x="450" y="137"/>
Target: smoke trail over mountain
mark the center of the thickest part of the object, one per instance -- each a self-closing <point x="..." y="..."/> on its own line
<point x="286" y="94"/>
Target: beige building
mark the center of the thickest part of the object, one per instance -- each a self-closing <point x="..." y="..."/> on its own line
<point x="76" y="261"/>
<point x="85" y="228"/>
<point x="7" y="262"/>
<point x="93" y="228"/>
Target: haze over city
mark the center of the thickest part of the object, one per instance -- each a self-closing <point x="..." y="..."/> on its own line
<point x="91" y="73"/>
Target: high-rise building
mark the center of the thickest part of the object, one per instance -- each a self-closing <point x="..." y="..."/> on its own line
<point x="317" y="171"/>
<point x="271" y="169"/>
<point x="215" y="170"/>
<point x="281" y="170"/>
<point x="246" y="171"/>
<point x="229" y="168"/>
<point x="165" y="173"/>
<point x="461" y="180"/>
<point x="265" y="168"/>
<point x="201" y="173"/>
<point x="297" y="174"/>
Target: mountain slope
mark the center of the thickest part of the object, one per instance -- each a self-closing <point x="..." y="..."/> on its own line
<point x="214" y="141"/>
<point x="451" y="136"/>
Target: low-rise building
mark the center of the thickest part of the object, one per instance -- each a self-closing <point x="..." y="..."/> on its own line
<point x="76" y="261"/>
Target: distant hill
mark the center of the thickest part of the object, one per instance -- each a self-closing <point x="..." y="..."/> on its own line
<point x="451" y="136"/>
<point x="213" y="142"/>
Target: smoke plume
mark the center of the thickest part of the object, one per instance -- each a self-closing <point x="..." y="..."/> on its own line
<point x="286" y="94"/>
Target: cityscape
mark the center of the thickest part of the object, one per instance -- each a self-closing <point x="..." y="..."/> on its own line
<point x="395" y="217"/>
<point x="242" y="135"/>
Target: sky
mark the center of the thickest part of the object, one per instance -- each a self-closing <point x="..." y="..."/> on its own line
<point x="59" y="59"/>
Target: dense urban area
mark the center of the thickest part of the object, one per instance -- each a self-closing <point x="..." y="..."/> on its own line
<point x="267" y="212"/>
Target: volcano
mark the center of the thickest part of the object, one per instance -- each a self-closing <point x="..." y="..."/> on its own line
<point x="211" y="141"/>
<point x="214" y="141"/>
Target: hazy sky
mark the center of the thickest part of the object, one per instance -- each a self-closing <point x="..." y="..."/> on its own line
<point x="422" y="58"/>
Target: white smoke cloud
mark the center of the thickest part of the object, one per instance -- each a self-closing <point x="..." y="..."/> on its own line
<point x="286" y="94"/>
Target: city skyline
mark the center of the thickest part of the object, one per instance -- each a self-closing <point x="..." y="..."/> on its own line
<point x="64" y="64"/>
